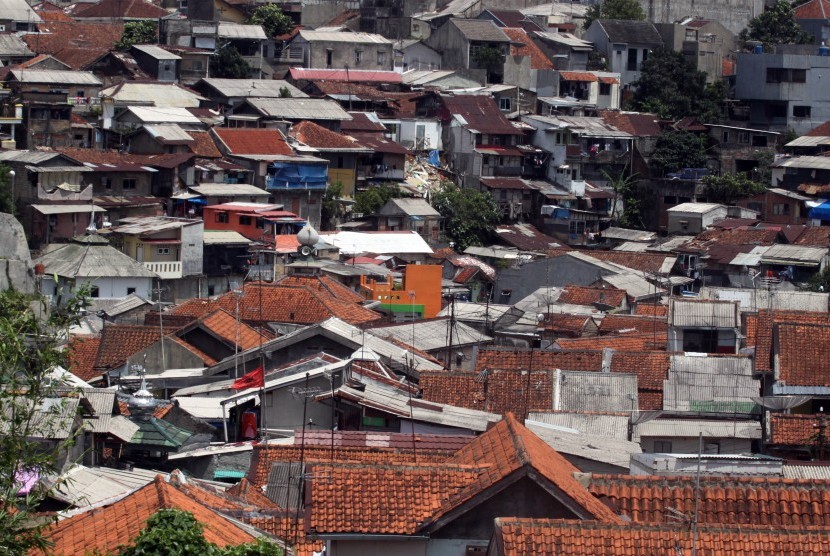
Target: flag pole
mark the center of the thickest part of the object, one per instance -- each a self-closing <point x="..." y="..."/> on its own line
<point x="262" y="355"/>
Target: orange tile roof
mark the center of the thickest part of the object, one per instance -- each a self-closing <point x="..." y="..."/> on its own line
<point x="742" y="235"/>
<point x="764" y="329"/>
<point x="577" y="76"/>
<point x="81" y="354"/>
<point x="223" y="324"/>
<point x="627" y="342"/>
<point x="509" y="447"/>
<point x="651" y="367"/>
<point x="122" y="9"/>
<point x="299" y="304"/>
<point x="106" y="528"/>
<point x="526" y="47"/>
<point x="646" y="262"/>
<point x="651" y="310"/>
<point x="803" y="352"/>
<point x="318" y="137"/>
<point x="814" y="9"/>
<point x="733" y="500"/>
<point x="565" y="323"/>
<point x="253" y="141"/>
<point x="793" y="429"/>
<point x="119" y="342"/>
<point x="616" y="324"/>
<point x="814" y="235"/>
<point x="584" y="295"/>
<point x="518" y="537"/>
<point x="323" y="284"/>
<point x="74" y="43"/>
<point x="517" y="359"/>
<point x="203" y="145"/>
<point x="287" y="527"/>
<point x="246" y="493"/>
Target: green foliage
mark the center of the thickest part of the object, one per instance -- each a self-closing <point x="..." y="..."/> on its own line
<point x="596" y="61"/>
<point x="330" y="210"/>
<point x="729" y="187"/>
<point x="489" y="58"/>
<point x="678" y="149"/>
<point x="776" y="26"/>
<point x="369" y="201"/>
<point x="614" y="9"/>
<point x="285" y="92"/>
<point x="137" y="32"/>
<point x="470" y="216"/>
<point x="177" y="533"/>
<point x="229" y="64"/>
<point x="626" y="188"/>
<point x="6" y="202"/>
<point x="29" y="349"/>
<point x="820" y="281"/>
<point x="274" y="22"/>
<point x="671" y="87"/>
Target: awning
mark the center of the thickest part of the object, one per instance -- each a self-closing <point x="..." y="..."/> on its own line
<point x="821" y="212"/>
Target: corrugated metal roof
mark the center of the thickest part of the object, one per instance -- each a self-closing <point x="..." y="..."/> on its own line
<point x="480" y="30"/>
<point x="27" y="157"/>
<point x="163" y="115"/>
<point x="19" y="11"/>
<point x="83" y="486"/>
<point x="299" y="108"/>
<point x="52" y="419"/>
<point x="810" y="472"/>
<point x="169" y="133"/>
<point x="63" y="77"/>
<point x="695" y="208"/>
<point x="585" y="126"/>
<point x="635" y="286"/>
<point x="12" y="45"/>
<point x="228" y="189"/>
<point x="228" y="30"/>
<point x="431" y="335"/>
<point x="566" y="39"/>
<point x="602" y="392"/>
<point x="597" y="424"/>
<point x="692" y="428"/>
<point x="202" y="407"/>
<point x="156" y="52"/>
<point x="344" y="36"/>
<point x="73" y="260"/>
<point x="628" y="235"/>
<point x="66" y="209"/>
<point x="225" y="237"/>
<point x="162" y="95"/>
<point x="129" y="303"/>
<point x="253" y="87"/>
<point x="794" y="254"/>
<point x="710" y="384"/>
<point x="613" y="451"/>
<point x="685" y="313"/>
<point x="152" y="224"/>
<point x="809" y="141"/>
<point x="817" y="162"/>
<point x="741" y="366"/>
<point x="756" y="299"/>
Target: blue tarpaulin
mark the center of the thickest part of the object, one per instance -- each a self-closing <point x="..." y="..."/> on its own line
<point x="821" y="212"/>
<point x="434" y="158"/>
<point x="286" y="175"/>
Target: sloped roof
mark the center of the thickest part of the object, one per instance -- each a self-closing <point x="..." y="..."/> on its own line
<point x="515" y="19"/>
<point x="299" y="108"/>
<point x="129" y="9"/>
<point x="802" y="352"/>
<point x="480" y="113"/>
<point x="75" y="43"/>
<point x="18" y="11"/>
<point x="320" y="138"/>
<point x="223" y="324"/>
<point x="109" y="527"/>
<point x="12" y="45"/>
<point x="121" y="341"/>
<point x="761" y="328"/>
<point x="818" y="236"/>
<point x="81" y="355"/>
<point x="253" y="141"/>
<point x="792" y="429"/>
<point x="164" y="95"/>
<point x="408" y="207"/>
<point x="538" y="59"/>
<point x="517" y="537"/>
<point x="635" y="123"/>
<point x="525" y="237"/>
<point x="583" y="295"/>
<point x="814" y="9"/>
<point x="203" y="145"/>
<point x="631" y="32"/>
<point x="92" y="260"/>
<point x="483" y="30"/>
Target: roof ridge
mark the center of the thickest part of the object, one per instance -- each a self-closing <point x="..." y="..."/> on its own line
<point x="518" y="440"/>
<point x="161" y="489"/>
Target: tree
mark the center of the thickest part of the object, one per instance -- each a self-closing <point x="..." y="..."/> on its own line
<point x="469" y="216"/>
<point x="776" y="26"/>
<point x="330" y="211"/>
<point x="369" y="201"/>
<point x="7" y="203"/>
<point x="30" y="348"/>
<point x="671" y="87"/>
<point x="729" y="187"/>
<point x="137" y="32"/>
<point x="274" y="22"/>
<point x="229" y="63"/>
<point x="820" y="281"/>
<point x="678" y="149"/>
<point x="177" y="533"/>
<point x="614" y="9"/>
<point x="491" y="59"/>
<point x="626" y="189"/>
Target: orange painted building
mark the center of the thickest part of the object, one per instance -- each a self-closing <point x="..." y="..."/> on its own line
<point x="255" y="221"/>
<point x="423" y="281"/>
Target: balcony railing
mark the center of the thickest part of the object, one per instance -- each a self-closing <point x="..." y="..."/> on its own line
<point x="169" y="270"/>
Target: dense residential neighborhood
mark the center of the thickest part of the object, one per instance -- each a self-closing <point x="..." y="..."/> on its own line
<point x="427" y="278"/>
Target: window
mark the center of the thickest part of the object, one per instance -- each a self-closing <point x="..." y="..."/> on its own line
<point x="108" y="183"/>
<point x="725" y="136"/>
<point x="505" y="103"/>
<point x="128" y="183"/>
<point x="358" y="57"/>
<point x="222" y="217"/>
<point x="329" y="53"/>
<point x="163" y="250"/>
<point x="94" y="292"/>
<point x="801" y="111"/>
<point x="605" y="89"/>
<point x="662" y="447"/>
<point x="778" y="110"/>
<point x="757" y="207"/>
<point x="632" y="60"/>
<point x="577" y="227"/>
<point x="381" y="58"/>
<point x="781" y="209"/>
<point x="167" y="67"/>
<point x="80" y="94"/>
<point x="786" y="75"/>
<point x="130" y="290"/>
<point x="244" y="220"/>
<point x="645" y="54"/>
<point x="39" y="114"/>
<point x="260" y="223"/>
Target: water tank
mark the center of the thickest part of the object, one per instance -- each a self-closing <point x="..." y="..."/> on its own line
<point x="823" y="50"/>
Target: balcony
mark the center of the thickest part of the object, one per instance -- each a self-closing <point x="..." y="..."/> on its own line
<point x="169" y="270"/>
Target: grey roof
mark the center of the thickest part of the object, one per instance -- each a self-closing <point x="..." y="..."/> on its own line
<point x="344" y="36"/>
<point x="431" y="335"/>
<point x="228" y="30"/>
<point x="483" y="30"/>
<point x="299" y="108"/>
<point x="476" y="312"/>
<point x="156" y="52"/>
<point x="263" y="88"/>
<point x="228" y="189"/>
<point x="163" y="95"/>
<point x="612" y="451"/>
<point x="83" y="486"/>
<point x="12" y="45"/>
<point x="817" y="162"/>
<point x="819" y="472"/>
<point x="760" y="298"/>
<point x="634" y="285"/>
<point x="28" y="157"/>
<point x="74" y="260"/>
<point x="19" y="11"/>
<point x="284" y="483"/>
<point x="151" y="224"/>
<point x="692" y="428"/>
<point x="62" y="77"/>
<point x="809" y="141"/>
<point x="794" y="255"/>
<point x="686" y="313"/>
<point x="697" y="208"/>
<point x="391" y="399"/>
<point x="566" y="39"/>
<point x="53" y="418"/>
<point x="710" y="385"/>
<point x="409" y="207"/>
<point x="163" y="114"/>
<point x="132" y="301"/>
<point x="602" y="392"/>
<point x="596" y="424"/>
<point x="585" y="126"/>
<point x="631" y="32"/>
<point x="169" y="133"/>
<point x="66" y="209"/>
<point x="629" y="235"/>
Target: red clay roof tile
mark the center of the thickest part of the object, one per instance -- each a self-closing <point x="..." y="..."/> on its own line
<point x="81" y="355"/>
<point x="584" y="295"/>
<point x="74" y="43"/>
<point x="793" y="429"/>
<point x="122" y="9"/>
<point x="253" y="141"/>
<point x="318" y="137"/>
<point x="803" y="351"/>
<point x="523" y="45"/>
<point x="764" y="326"/>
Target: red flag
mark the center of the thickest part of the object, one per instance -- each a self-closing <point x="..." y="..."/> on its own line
<point x="254" y="379"/>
